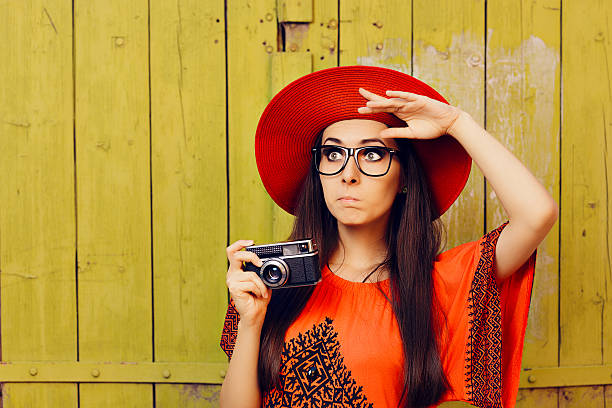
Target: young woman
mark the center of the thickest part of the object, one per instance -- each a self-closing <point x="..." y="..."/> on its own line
<point x="393" y="322"/>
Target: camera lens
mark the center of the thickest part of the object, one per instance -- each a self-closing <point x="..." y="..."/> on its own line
<point x="274" y="273"/>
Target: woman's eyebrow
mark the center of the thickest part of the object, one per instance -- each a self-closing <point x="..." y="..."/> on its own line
<point x="333" y="139"/>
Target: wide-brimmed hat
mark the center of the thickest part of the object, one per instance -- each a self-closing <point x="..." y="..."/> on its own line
<point x="292" y="120"/>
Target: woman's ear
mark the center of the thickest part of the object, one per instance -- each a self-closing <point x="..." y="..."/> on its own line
<point x="402" y="182"/>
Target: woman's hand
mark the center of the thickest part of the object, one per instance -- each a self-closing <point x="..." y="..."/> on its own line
<point x="251" y="296"/>
<point x="427" y="118"/>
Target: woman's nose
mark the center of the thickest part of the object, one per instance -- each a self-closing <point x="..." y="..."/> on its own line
<point x="350" y="173"/>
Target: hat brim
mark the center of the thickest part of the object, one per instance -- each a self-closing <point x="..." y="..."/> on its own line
<point x="291" y="121"/>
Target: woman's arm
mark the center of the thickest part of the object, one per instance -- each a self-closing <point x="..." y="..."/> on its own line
<point x="240" y="387"/>
<point x="251" y="298"/>
<point x="531" y="209"/>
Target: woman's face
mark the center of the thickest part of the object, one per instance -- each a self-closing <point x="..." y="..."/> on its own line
<point x="372" y="196"/>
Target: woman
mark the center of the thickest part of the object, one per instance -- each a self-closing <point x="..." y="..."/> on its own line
<point x="393" y="322"/>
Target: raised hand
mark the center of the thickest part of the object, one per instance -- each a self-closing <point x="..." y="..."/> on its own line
<point x="426" y="118"/>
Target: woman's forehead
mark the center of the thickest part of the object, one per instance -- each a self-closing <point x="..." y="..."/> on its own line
<point x="355" y="132"/>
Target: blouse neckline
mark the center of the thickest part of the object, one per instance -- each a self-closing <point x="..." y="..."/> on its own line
<point x="332" y="278"/>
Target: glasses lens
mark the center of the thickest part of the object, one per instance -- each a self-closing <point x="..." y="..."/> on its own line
<point x="330" y="159"/>
<point x="374" y="160"/>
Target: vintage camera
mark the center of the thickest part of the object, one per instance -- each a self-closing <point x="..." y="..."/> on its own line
<point x="287" y="264"/>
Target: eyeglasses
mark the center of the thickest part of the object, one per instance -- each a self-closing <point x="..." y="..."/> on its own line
<point x="373" y="161"/>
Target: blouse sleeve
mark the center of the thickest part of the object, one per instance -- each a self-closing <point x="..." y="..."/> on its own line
<point x="485" y="322"/>
<point x="230" y="329"/>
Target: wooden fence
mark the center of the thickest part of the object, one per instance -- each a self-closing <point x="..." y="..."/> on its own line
<point x="127" y="166"/>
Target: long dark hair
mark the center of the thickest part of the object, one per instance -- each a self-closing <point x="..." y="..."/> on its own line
<point x="413" y="242"/>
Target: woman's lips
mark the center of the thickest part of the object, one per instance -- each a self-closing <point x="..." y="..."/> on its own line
<point x="348" y="199"/>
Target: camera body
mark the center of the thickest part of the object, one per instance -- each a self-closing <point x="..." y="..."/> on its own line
<point x="287" y="264"/>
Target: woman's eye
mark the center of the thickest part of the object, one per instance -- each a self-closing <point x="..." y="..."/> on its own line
<point x="373" y="155"/>
<point x="333" y="155"/>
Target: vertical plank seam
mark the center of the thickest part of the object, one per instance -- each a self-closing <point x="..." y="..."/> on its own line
<point x="560" y="218"/>
<point x="339" y="22"/>
<point x="76" y="213"/>
<point x="412" y="38"/>
<point x="484" y="183"/>
<point x="227" y="175"/>
<point x="153" y="386"/>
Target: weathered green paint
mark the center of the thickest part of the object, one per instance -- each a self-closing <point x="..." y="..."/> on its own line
<point x="133" y="213"/>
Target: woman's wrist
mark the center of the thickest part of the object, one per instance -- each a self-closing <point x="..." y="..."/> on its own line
<point x="463" y="121"/>
<point x="250" y="325"/>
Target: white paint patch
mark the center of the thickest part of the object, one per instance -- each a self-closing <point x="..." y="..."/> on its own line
<point x="527" y="72"/>
<point x="456" y="72"/>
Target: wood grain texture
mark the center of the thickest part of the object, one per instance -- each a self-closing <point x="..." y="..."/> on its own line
<point x="585" y="321"/>
<point x="376" y="33"/>
<point x="537" y="397"/>
<point x="586" y="324"/>
<point x="448" y="54"/>
<point x="317" y="37"/>
<point x="143" y="210"/>
<point x="187" y="396"/>
<point x="189" y="190"/>
<point x="252" y="36"/>
<point x="523" y="112"/>
<point x="37" y="214"/>
<point x="252" y="43"/>
<point x="113" y="193"/>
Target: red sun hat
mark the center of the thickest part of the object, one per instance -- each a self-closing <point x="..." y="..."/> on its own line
<point x="292" y="120"/>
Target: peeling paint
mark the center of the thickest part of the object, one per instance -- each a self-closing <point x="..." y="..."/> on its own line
<point x="527" y="72"/>
<point x="456" y="71"/>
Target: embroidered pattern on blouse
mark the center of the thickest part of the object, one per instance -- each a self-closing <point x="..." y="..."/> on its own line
<point x="313" y="373"/>
<point x="483" y="356"/>
<point x="230" y="329"/>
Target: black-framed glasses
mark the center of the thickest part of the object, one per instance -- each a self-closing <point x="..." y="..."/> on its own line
<point x="374" y="161"/>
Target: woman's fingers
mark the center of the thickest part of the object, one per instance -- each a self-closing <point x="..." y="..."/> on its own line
<point x="235" y="249"/>
<point x="253" y="277"/>
<point x="370" y="95"/>
<point x="245" y="256"/>
<point x="409" y="96"/>
<point x="368" y="109"/>
<point x="253" y="280"/>
<point x="405" y="95"/>
<point x="238" y="245"/>
<point x="390" y="102"/>
<point x="248" y="286"/>
<point x="237" y="274"/>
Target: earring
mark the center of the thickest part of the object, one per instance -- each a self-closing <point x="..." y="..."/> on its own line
<point x="404" y="190"/>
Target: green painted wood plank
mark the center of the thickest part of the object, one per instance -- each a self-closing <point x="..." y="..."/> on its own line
<point x="319" y="37"/>
<point x="523" y="109"/>
<point x="37" y="222"/>
<point x="585" y="322"/>
<point x="188" y="136"/>
<point x="252" y="42"/>
<point x="376" y="32"/>
<point x="449" y="56"/>
<point x="113" y="193"/>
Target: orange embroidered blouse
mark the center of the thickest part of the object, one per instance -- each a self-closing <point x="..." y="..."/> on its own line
<point x="345" y="350"/>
